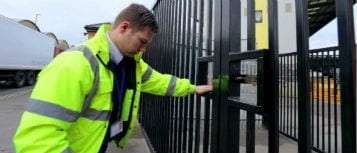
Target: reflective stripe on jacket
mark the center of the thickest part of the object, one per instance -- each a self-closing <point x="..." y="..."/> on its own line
<point x="71" y="103"/>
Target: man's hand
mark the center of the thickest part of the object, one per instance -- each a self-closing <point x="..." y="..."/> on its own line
<point x="201" y="89"/>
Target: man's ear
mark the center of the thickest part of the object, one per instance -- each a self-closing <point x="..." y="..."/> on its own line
<point x="124" y="26"/>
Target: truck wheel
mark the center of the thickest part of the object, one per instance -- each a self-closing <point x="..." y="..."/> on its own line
<point x="19" y="79"/>
<point x="30" y="78"/>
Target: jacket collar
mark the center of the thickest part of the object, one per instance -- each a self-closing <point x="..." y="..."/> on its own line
<point x="115" y="53"/>
<point x="101" y="44"/>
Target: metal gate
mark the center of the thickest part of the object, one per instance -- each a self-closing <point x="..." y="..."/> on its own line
<point x="203" y="40"/>
<point x="228" y="60"/>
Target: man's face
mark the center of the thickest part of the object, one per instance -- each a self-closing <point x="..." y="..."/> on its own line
<point x="135" y="40"/>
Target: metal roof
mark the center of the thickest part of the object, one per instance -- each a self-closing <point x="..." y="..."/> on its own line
<point x="320" y="13"/>
<point x="28" y="23"/>
<point x="52" y="35"/>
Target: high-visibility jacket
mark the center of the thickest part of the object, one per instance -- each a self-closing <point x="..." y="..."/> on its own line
<point x="71" y="103"/>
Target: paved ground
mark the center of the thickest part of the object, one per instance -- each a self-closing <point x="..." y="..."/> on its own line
<point x="12" y="104"/>
<point x="136" y="144"/>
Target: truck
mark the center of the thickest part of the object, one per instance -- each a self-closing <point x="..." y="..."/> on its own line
<point x="23" y="53"/>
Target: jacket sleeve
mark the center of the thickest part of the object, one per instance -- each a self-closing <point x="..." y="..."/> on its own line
<point x="54" y="104"/>
<point x="156" y="83"/>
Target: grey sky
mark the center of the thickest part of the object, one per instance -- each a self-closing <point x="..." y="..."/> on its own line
<point x="66" y="18"/>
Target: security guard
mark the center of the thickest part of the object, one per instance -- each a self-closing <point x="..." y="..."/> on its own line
<point x="90" y="95"/>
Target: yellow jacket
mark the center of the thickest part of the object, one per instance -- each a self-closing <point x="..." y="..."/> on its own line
<point x="71" y="103"/>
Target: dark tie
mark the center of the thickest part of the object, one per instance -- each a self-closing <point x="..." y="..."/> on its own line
<point x="117" y="98"/>
<point x="118" y="90"/>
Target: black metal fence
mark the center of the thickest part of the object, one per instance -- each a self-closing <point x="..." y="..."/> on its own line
<point x="180" y="124"/>
<point x="308" y="96"/>
<point x="325" y="94"/>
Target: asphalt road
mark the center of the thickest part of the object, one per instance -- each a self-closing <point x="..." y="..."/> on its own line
<point x="12" y="104"/>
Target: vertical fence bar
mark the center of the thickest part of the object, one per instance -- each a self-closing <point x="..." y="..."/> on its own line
<point x="183" y="104"/>
<point x="250" y="23"/>
<point x="335" y="105"/>
<point x="161" y="101"/>
<point x="202" y="67"/>
<point x="168" y="67"/>
<point x="173" y="48"/>
<point x="193" y="70"/>
<point x="295" y="99"/>
<point x="153" y="106"/>
<point x="234" y="119"/>
<point x="210" y="27"/>
<point x="207" y="101"/>
<point x="215" y="143"/>
<point x="176" y="43"/>
<point x="323" y="101"/>
<point x="313" y="81"/>
<point x="346" y="41"/>
<point x="329" y="102"/>
<point x="234" y="45"/>
<point x="196" y="50"/>
<point x="304" y="139"/>
<point x="285" y="97"/>
<point x="272" y="94"/>
<point x="285" y="94"/>
<point x="330" y="93"/>
<point x="201" y="75"/>
<point x="192" y="76"/>
<point x="318" y="80"/>
<point x="187" y="69"/>
<point x="180" y="61"/>
<point x="156" y="113"/>
<point x="286" y="104"/>
<point x="160" y="68"/>
<point x="207" y="122"/>
<point x="224" y="66"/>
<point x="250" y="142"/>
<point x="176" y="129"/>
<point x="290" y="96"/>
<point x="177" y="60"/>
<point x="281" y="85"/>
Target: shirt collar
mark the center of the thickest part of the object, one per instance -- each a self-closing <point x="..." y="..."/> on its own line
<point x="114" y="51"/>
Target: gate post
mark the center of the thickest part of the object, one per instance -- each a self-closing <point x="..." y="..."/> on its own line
<point x="304" y="108"/>
<point x="347" y="46"/>
<point x="272" y="95"/>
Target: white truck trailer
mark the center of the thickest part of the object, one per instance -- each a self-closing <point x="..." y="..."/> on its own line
<point x="23" y="53"/>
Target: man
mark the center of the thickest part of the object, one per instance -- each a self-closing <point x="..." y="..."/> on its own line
<point x="89" y="96"/>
